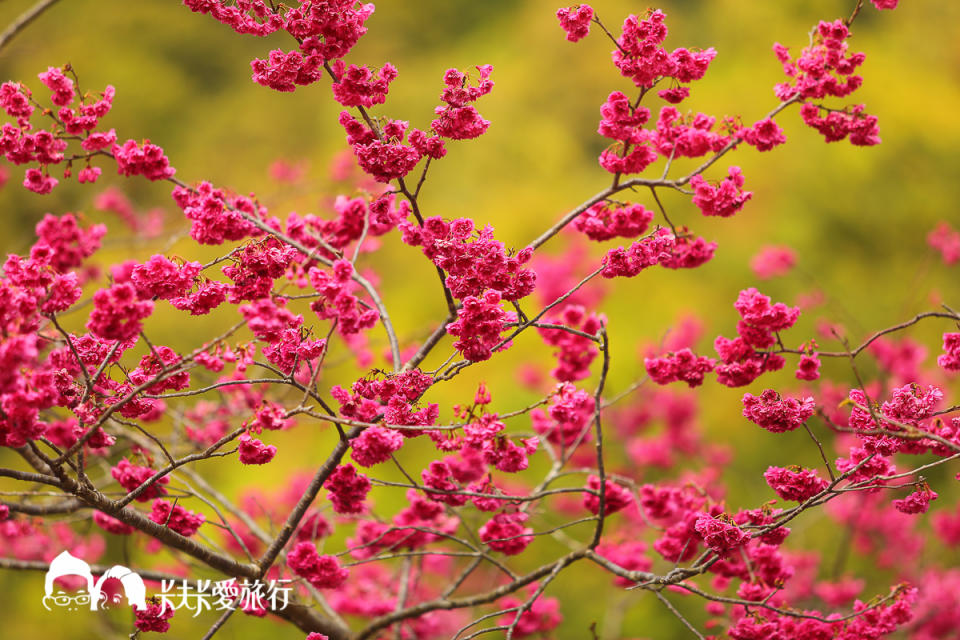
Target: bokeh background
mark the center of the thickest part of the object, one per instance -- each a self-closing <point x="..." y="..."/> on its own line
<point x="857" y="217"/>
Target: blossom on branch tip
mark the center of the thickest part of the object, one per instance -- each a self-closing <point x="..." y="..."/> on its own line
<point x="683" y="365"/>
<point x="622" y="121"/>
<point x="574" y="352"/>
<point x="575" y="21"/>
<point x="474" y="262"/>
<point x="385" y="159"/>
<point x="253" y="451"/>
<point x="505" y="533"/>
<point x="88" y="174"/>
<point x="764" y="135"/>
<point x="869" y="465"/>
<point x="347" y="489"/>
<point x="615" y="496"/>
<point x="147" y="160"/>
<point x="328" y="29"/>
<point x="808" y="367"/>
<point x="478" y="326"/>
<point x="293" y="348"/>
<point x="359" y="86"/>
<point x="916" y="502"/>
<point x="643" y="253"/>
<point x="245" y="16"/>
<point x="690" y="136"/>
<point x="680" y="541"/>
<point x="775" y="413"/>
<point x="69" y="244"/>
<point x="154" y="617"/>
<point x="118" y="313"/>
<point x="724" y="199"/>
<point x="606" y="220"/>
<point x="758" y="313"/>
<point x="131" y="476"/>
<point x="661" y="247"/>
<point x="321" y="571"/>
<point x="216" y="217"/>
<point x="160" y="278"/>
<point x="336" y="302"/>
<point x="209" y="295"/>
<point x="184" y="522"/>
<point x="824" y="69"/>
<point x="438" y="476"/>
<point x="61" y="86"/>
<point x="568" y="418"/>
<point x="688" y="253"/>
<point x="161" y="362"/>
<point x="950" y="359"/>
<point x="861" y="128"/>
<point x="14" y="99"/>
<point x="459" y="120"/>
<point x="268" y="318"/>
<point x="282" y="71"/>
<point x="794" y="483"/>
<point x="676" y="95"/>
<point x="375" y="445"/>
<point x="542" y="615"/>
<point x="719" y="534"/>
<point x="505" y="455"/>
<point x="640" y="57"/>
<point x="39" y="182"/>
<point x="98" y="140"/>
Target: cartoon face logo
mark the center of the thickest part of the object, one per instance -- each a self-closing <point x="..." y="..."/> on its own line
<point x="111" y="594"/>
<point x="67" y="565"/>
<point x="133" y="587"/>
<point x="93" y="596"/>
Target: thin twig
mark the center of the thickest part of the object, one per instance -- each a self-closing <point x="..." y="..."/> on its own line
<point x="23" y="20"/>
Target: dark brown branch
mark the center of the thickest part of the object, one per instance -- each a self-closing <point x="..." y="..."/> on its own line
<point x="414" y="611"/>
<point x="57" y="508"/>
<point x="309" y="494"/>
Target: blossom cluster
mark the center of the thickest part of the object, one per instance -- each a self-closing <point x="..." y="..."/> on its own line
<point x="661" y="247"/>
<point x="827" y="69"/>
<point x="758" y="328"/>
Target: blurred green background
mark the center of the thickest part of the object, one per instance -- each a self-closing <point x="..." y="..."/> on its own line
<point x="857" y="217"/>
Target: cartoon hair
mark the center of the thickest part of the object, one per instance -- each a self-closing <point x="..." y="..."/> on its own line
<point x="133" y="586"/>
<point x="67" y="565"/>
